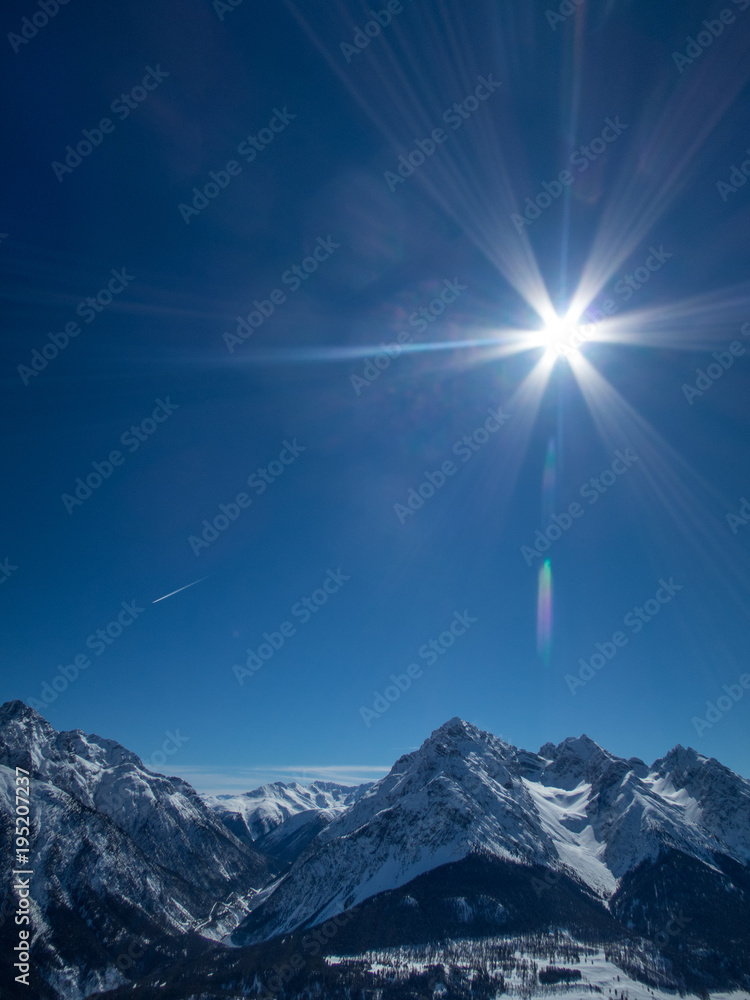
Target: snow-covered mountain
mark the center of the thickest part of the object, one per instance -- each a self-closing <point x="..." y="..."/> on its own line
<point x="142" y="889"/>
<point x="118" y="848"/>
<point x="573" y="809"/>
<point x="281" y="819"/>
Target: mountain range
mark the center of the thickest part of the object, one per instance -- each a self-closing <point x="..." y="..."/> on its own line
<point x="281" y="819"/>
<point x="484" y="857"/>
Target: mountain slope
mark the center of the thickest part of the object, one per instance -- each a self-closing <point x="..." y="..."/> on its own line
<point x="118" y="848"/>
<point x="281" y="819"/>
<point x="574" y="809"/>
<point x="138" y="885"/>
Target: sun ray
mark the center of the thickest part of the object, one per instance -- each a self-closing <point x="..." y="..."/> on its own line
<point x="691" y="502"/>
<point x="663" y="159"/>
<point x="471" y="180"/>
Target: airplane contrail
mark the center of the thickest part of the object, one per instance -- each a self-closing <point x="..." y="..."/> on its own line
<point x="181" y="589"/>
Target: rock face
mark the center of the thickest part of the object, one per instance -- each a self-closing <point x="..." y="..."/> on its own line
<point x="119" y="851"/>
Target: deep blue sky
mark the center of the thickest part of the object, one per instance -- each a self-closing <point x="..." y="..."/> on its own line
<point x="320" y="179"/>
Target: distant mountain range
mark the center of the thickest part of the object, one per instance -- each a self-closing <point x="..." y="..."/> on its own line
<point x="464" y="870"/>
<point x="281" y="819"/>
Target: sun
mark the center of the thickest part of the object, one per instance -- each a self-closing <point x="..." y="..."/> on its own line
<point x="563" y="336"/>
<point x="555" y="333"/>
<point x="556" y="337"/>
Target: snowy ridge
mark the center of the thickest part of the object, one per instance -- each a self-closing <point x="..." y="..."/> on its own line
<point x="468" y="836"/>
<point x="121" y="855"/>
<point x="282" y="819"/>
<point x="267" y="807"/>
<point x="165" y="817"/>
<point x="573" y="808"/>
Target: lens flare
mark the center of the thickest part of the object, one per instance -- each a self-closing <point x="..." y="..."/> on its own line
<point x="544" y="613"/>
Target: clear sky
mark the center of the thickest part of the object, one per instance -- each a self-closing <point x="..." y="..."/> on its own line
<point x="214" y="218"/>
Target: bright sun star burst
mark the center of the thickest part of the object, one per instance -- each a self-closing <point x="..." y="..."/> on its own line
<point x="555" y="333"/>
<point x="562" y="336"/>
<point x="556" y="336"/>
